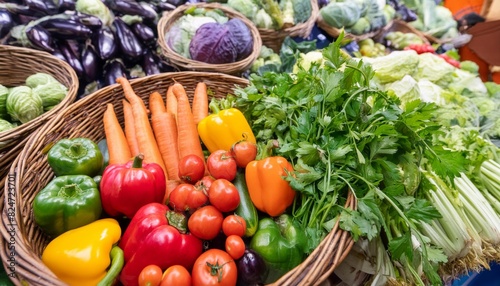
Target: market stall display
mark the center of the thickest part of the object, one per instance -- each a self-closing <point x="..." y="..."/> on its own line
<point x="186" y="37"/>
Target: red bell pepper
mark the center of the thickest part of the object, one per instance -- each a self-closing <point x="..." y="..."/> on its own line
<point x="151" y="238"/>
<point x="125" y="188"/>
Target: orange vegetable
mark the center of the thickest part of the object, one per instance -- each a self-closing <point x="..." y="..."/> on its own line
<point x="269" y="191"/>
<point x="200" y="102"/>
<point x="130" y="128"/>
<point x="143" y="130"/>
<point x="119" y="151"/>
<point x="171" y="102"/>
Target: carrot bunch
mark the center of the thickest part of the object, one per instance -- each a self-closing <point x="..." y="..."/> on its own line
<point x="163" y="134"/>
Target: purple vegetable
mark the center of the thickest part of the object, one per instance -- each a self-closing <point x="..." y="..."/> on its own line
<point x="251" y="269"/>
<point x="105" y="43"/>
<point x="113" y="70"/>
<point x="91" y="63"/>
<point x="40" y="38"/>
<point x="88" y="20"/>
<point x="144" y="32"/>
<point x="71" y="57"/>
<point x="66" y="29"/>
<point x="66" y="5"/>
<point x="132" y="7"/>
<point x="216" y="43"/>
<point x="242" y="38"/>
<point x="46" y="7"/>
<point x="130" y="45"/>
<point x="150" y="63"/>
<point x="6" y="22"/>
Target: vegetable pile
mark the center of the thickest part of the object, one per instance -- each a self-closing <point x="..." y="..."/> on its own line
<point x="23" y="103"/>
<point x="101" y="40"/>
<point x="271" y="14"/>
<point x="207" y="35"/>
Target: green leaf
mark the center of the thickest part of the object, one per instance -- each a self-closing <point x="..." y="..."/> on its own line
<point x="422" y="210"/>
<point x="436" y="255"/>
<point x="401" y="247"/>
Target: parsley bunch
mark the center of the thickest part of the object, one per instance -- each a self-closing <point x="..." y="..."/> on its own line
<point x="342" y="134"/>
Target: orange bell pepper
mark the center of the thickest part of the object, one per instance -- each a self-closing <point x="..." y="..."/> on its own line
<point x="269" y="191"/>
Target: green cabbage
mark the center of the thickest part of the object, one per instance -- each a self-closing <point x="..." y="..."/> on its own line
<point x="51" y="94"/>
<point x="37" y="79"/>
<point x="393" y="66"/>
<point x="406" y="89"/>
<point x="431" y="92"/>
<point x="469" y="66"/>
<point x="23" y="105"/>
<point x="362" y="26"/>
<point x="5" y="125"/>
<point x="245" y="7"/>
<point x="302" y="10"/>
<point x="4" y="92"/>
<point x="341" y="14"/>
<point x="434" y="68"/>
<point x="48" y="88"/>
<point x="467" y="84"/>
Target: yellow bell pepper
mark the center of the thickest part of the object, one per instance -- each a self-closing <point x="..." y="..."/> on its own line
<point x="220" y="130"/>
<point x="82" y="256"/>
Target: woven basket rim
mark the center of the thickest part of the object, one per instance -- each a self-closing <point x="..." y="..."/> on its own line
<point x="315" y="269"/>
<point x="335" y="32"/>
<point x="168" y="19"/>
<point x="398" y="25"/>
<point x="69" y="98"/>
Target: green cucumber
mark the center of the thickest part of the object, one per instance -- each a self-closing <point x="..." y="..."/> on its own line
<point x="246" y="209"/>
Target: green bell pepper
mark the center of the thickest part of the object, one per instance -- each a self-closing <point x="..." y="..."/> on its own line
<point x="78" y="156"/>
<point x="281" y="243"/>
<point x="67" y="202"/>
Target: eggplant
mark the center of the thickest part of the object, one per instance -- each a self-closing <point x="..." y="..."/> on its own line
<point x="71" y="57"/>
<point x="16" y="9"/>
<point x="40" y="38"/>
<point x="66" y="29"/>
<point x="129" y="44"/>
<point x="88" y="20"/>
<point x="105" y="43"/>
<point x="58" y="54"/>
<point x="145" y="33"/>
<point x="91" y="63"/>
<point x="6" y="22"/>
<point x="46" y="7"/>
<point x="113" y="70"/>
<point x="252" y="269"/>
<point x="150" y="63"/>
<point x="165" y="6"/>
<point x="131" y="7"/>
<point x="67" y="5"/>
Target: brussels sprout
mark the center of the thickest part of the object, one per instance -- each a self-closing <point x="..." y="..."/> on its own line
<point x="37" y="79"/>
<point x="4" y="91"/>
<point x="5" y="125"/>
<point x="23" y="104"/>
<point x="50" y="93"/>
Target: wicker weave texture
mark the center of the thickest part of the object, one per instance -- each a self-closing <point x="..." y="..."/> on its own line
<point x="30" y="172"/>
<point x="182" y="63"/>
<point x="274" y="38"/>
<point x="17" y="64"/>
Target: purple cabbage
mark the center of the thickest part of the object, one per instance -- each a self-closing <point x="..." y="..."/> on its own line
<point x="216" y="43"/>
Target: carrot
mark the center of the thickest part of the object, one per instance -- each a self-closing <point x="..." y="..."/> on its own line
<point x="119" y="152"/>
<point x="130" y="128"/>
<point x="188" y="140"/>
<point x="143" y="130"/>
<point x="200" y="102"/>
<point x="165" y="129"/>
<point x="156" y="104"/>
<point x="171" y="102"/>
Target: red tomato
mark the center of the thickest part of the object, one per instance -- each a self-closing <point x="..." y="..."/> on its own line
<point x="187" y="197"/>
<point x="191" y="168"/>
<point x="150" y="276"/>
<point x="176" y="275"/>
<point x="224" y="195"/>
<point x="222" y="165"/>
<point x="244" y="152"/>
<point x="234" y="225"/>
<point x="235" y="246"/>
<point x="205" y="183"/>
<point x="206" y="222"/>
<point x="214" y="267"/>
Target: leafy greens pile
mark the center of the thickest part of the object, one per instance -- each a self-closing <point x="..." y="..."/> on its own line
<point x="341" y="133"/>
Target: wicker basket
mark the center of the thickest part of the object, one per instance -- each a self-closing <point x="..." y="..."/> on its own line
<point x="30" y="172"/>
<point x="182" y="63"/>
<point x="334" y="32"/>
<point x="274" y="38"/>
<point x="16" y="65"/>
